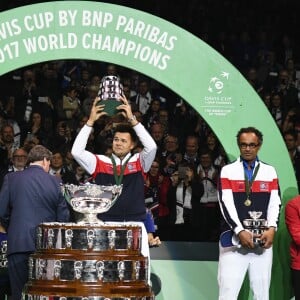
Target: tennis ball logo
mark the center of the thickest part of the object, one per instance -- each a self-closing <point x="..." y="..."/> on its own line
<point x="216" y="84"/>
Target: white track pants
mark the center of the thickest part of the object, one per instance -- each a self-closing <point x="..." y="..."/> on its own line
<point x="233" y="266"/>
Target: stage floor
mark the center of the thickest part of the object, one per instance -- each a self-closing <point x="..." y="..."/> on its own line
<point x="185" y="270"/>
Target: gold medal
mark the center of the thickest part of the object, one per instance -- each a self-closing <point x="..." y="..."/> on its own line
<point x="247" y="202"/>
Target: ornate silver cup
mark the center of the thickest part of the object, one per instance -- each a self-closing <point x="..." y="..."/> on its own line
<point x="91" y="199"/>
<point x="256" y="225"/>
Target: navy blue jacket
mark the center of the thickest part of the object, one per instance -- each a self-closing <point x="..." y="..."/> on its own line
<point x="28" y="198"/>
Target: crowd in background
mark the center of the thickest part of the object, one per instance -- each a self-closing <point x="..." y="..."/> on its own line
<point x="49" y="102"/>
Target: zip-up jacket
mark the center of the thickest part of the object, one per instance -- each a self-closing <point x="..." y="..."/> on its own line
<point x="292" y="220"/>
<point x="130" y="205"/>
<point x="264" y="195"/>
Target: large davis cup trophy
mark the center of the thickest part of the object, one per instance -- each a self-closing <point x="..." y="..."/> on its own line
<point x="91" y="199"/>
<point x="89" y="259"/>
<point x="256" y="225"/>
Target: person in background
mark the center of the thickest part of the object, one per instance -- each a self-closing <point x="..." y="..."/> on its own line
<point x="183" y="201"/>
<point x="112" y="70"/>
<point x="81" y="175"/>
<point x="84" y="82"/>
<point x="26" y="99"/>
<point x="7" y="145"/>
<point x="63" y="137"/>
<point x="30" y="141"/>
<point x="248" y="189"/>
<point x="59" y="169"/>
<point x="292" y="122"/>
<point x="292" y="220"/>
<point x="190" y="153"/>
<point x="287" y="91"/>
<point x="18" y="163"/>
<point x="276" y="109"/>
<point x="19" y="160"/>
<point x="142" y="100"/>
<point x="29" y="198"/>
<point x="183" y="121"/>
<point x="7" y="117"/>
<point x="152" y="114"/>
<point x="157" y="133"/>
<point x="153" y="180"/>
<point x="290" y="138"/>
<point x="36" y="129"/>
<point x="170" y="157"/>
<point x="88" y="101"/>
<point x="164" y="118"/>
<point x="214" y="145"/>
<point x="209" y="212"/>
<point x="69" y="108"/>
<point x="69" y="161"/>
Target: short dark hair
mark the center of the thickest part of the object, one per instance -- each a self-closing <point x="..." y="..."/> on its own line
<point x="126" y="128"/>
<point x="250" y="130"/>
<point x="38" y="153"/>
<point x="291" y="132"/>
<point x="171" y="135"/>
<point x="205" y="151"/>
<point x="5" y="125"/>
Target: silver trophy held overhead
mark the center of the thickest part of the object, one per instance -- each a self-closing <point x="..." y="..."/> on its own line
<point x="256" y="226"/>
<point x="110" y="91"/>
<point x="91" y="199"/>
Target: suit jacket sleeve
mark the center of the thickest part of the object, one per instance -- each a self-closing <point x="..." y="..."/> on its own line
<point x="63" y="213"/>
<point x="4" y="203"/>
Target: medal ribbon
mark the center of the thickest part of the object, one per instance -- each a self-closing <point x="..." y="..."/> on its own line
<point x="248" y="183"/>
<point x="119" y="177"/>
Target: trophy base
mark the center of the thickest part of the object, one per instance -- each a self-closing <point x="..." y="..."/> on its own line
<point x="258" y="242"/>
<point x="90" y="219"/>
<point x="81" y="262"/>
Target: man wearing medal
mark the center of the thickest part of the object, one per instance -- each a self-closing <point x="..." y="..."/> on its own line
<point x="123" y="167"/>
<point x="248" y="188"/>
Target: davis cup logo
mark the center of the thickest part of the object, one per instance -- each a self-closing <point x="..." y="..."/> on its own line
<point x="216" y="84"/>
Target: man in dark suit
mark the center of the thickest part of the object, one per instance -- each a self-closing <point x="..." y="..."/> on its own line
<point x="28" y="198"/>
<point x="142" y="100"/>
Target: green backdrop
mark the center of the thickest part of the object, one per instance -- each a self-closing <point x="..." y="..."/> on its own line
<point x="170" y="55"/>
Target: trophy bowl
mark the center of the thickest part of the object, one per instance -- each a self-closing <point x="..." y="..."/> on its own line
<point x="91" y="199"/>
